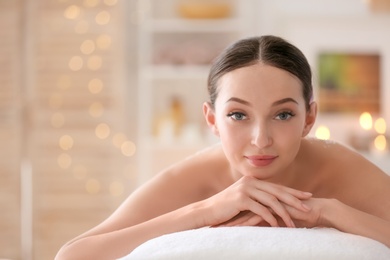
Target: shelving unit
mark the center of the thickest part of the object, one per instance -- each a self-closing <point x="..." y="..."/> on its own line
<point x="174" y="59"/>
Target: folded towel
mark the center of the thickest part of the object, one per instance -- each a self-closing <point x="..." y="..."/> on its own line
<point x="261" y="243"/>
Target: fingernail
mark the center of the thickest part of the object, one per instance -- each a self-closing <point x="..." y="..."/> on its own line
<point x="308" y="193"/>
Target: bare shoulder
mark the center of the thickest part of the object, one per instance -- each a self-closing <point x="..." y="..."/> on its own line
<point x="339" y="157"/>
<point x="185" y="182"/>
<point x="351" y="178"/>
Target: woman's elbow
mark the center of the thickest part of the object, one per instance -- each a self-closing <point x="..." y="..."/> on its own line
<point x="67" y="252"/>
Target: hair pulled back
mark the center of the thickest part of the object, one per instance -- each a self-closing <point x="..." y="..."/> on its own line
<point x="269" y="50"/>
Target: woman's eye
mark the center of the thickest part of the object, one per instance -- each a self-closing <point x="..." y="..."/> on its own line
<point x="237" y="116"/>
<point x="284" y="116"/>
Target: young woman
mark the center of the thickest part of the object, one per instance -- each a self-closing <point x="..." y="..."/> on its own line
<point x="263" y="172"/>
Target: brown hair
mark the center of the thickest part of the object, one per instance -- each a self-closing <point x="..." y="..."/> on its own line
<point x="269" y="50"/>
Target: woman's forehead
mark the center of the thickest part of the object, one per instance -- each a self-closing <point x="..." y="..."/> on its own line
<point x="259" y="80"/>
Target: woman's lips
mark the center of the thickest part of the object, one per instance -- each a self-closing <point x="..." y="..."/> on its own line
<point x="261" y="160"/>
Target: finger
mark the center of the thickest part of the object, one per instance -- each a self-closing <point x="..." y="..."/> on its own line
<point x="276" y="206"/>
<point x="293" y="202"/>
<point x="238" y="219"/>
<point x="247" y="219"/>
<point x="277" y="189"/>
<point x="263" y="212"/>
<point x="254" y="220"/>
<point x="287" y="195"/>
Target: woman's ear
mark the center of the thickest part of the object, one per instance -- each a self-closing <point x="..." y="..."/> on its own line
<point x="209" y="115"/>
<point x="310" y="118"/>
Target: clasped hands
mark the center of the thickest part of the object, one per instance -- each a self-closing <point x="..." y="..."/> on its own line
<point x="253" y="202"/>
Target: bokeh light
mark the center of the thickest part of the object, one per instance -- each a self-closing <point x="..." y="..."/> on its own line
<point x="380" y="126"/>
<point x="66" y="142"/>
<point x="128" y="148"/>
<point x="102" y="131"/>
<point x="96" y="109"/>
<point x="322" y="133"/>
<point x="103" y="41"/>
<point x="95" y="86"/>
<point x="64" y="160"/>
<point x="365" y="121"/>
<point x="76" y="63"/>
<point x="87" y="47"/>
<point x="380" y="143"/>
<point x="72" y="12"/>
<point x="103" y="18"/>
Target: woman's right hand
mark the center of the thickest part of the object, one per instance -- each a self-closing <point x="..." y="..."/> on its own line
<point x="250" y="201"/>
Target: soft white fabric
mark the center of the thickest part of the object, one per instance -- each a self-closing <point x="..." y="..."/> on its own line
<point x="243" y="243"/>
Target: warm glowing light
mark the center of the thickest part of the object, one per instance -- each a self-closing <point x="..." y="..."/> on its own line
<point x="380" y="143"/>
<point x="118" y="139"/>
<point x="96" y="109"/>
<point x="76" y="63"/>
<point x="116" y="188"/>
<point x="72" y="12"/>
<point x="55" y="101"/>
<point x="87" y="47"/>
<point x="81" y="27"/>
<point x="92" y="186"/>
<point x="66" y="142"/>
<point x="380" y="126"/>
<point x="365" y="121"/>
<point x="57" y="120"/>
<point x="94" y="62"/>
<point x="322" y="133"/>
<point x="95" y="86"/>
<point x="103" y="42"/>
<point x="102" y="131"/>
<point x="80" y="172"/>
<point x="64" y="160"/>
<point x="64" y="82"/>
<point x="103" y="17"/>
<point x="128" y="148"/>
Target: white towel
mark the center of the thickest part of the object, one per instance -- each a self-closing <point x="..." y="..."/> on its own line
<point x="244" y="243"/>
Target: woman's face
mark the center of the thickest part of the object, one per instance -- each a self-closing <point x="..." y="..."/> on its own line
<point x="260" y="117"/>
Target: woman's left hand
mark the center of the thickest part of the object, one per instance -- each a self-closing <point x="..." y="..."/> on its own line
<point x="312" y="218"/>
<point x="301" y="219"/>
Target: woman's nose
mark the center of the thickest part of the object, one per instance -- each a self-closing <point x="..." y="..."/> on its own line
<point x="261" y="137"/>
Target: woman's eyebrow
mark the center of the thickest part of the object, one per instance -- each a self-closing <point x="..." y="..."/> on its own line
<point x="276" y="103"/>
<point x="239" y="100"/>
<point x="284" y="100"/>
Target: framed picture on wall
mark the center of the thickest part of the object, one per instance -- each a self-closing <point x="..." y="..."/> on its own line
<point x="349" y="82"/>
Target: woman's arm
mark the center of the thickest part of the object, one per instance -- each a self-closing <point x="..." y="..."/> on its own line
<point x="348" y="219"/>
<point x="164" y="206"/>
<point x="146" y="213"/>
<point x="114" y="244"/>
<point x="358" y="204"/>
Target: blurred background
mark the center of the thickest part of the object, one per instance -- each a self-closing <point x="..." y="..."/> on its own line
<point x="97" y="96"/>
